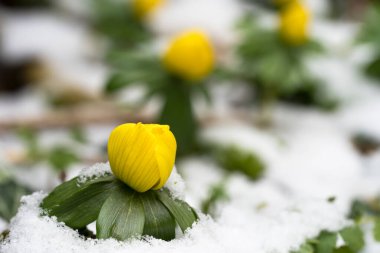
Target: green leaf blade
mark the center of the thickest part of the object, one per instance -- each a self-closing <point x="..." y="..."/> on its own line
<point x="78" y="205"/>
<point x="11" y="193"/>
<point x="121" y="216"/>
<point x="353" y="237"/>
<point x="158" y="221"/>
<point x="376" y="230"/>
<point x="326" y="242"/>
<point x="305" y="248"/>
<point x="181" y="211"/>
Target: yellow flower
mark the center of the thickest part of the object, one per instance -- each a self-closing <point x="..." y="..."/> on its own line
<point x="142" y="155"/>
<point x="294" y="21"/>
<point x="143" y="8"/>
<point x="190" y="55"/>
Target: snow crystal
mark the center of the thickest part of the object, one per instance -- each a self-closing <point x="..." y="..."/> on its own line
<point x="238" y="230"/>
<point x="95" y="171"/>
<point x="3" y="225"/>
<point x="176" y="185"/>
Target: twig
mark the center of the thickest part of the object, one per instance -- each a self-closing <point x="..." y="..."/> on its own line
<point x="77" y="116"/>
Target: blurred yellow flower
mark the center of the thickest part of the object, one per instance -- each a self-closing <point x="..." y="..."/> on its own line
<point x="142" y="155"/>
<point x="143" y="8"/>
<point x="190" y="55"/>
<point x="294" y="21"/>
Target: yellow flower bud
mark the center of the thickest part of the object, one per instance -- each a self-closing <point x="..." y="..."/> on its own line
<point x="190" y="55"/>
<point x="294" y="21"/>
<point x="142" y="155"/>
<point x="143" y="8"/>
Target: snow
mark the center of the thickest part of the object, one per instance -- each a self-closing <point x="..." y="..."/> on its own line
<point x="28" y="105"/>
<point x="363" y="117"/>
<point x="238" y="230"/>
<point x="3" y="225"/>
<point x="176" y="185"/>
<point x="54" y="34"/>
<point x="308" y="153"/>
<point x="38" y="177"/>
<point x="216" y="17"/>
<point x="64" y="46"/>
<point x="95" y="171"/>
<point x="263" y="143"/>
<point x="371" y="245"/>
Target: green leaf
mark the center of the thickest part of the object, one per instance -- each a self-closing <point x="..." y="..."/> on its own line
<point x="181" y="211"/>
<point x="61" y="158"/>
<point x="233" y="158"/>
<point x="373" y="68"/>
<point x="29" y="137"/>
<point x="201" y="88"/>
<point x="115" y="20"/>
<point x="305" y="248"/>
<point x="217" y="194"/>
<point x="158" y="221"/>
<point x="353" y="237"/>
<point x="343" y="249"/>
<point x="78" y="205"/>
<point x="78" y="134"/>
<point x="370" y="30"/>
<point x="117" y="82"/>
<point x="121" y="216"/>
<point x="376" y="230"/>
<point x="11" y="193"/>
<point x="326" y="242"/>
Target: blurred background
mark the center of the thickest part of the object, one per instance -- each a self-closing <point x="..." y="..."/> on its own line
<point x="285" y="94"/>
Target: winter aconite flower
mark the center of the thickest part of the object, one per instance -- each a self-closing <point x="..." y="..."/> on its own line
<point x="294" y="21"/>
<point x="190" y="55"/>
<point x="143" y="8"/>
<point x="142" y="155"/>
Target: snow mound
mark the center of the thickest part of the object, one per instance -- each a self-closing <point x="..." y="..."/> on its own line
<point x="237" y="230"/>
<point x="95" y="171"/>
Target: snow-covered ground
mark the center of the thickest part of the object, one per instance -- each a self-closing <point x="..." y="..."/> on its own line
<point x="308" y="154"/>
<point x="242" y="226"/>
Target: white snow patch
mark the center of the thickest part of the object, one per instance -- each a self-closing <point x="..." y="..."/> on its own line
<point x="199" y="174"/>
<point x="95" y="171"/>
<point x="3" y="225"/>
<point x="176" y="185"/>
<point x="306" y="154"/>
<point x="244" y="136"/>
<point x="238" y="230"/>
<point x="363" y="116"/>
<point x="64" y="45"/>
<point x="216" y="17"/>
<point x="37" y="177"/>
<point x="43" y="35"/>
<point x="27" y="105"/>
<point x="371" y="246"/>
